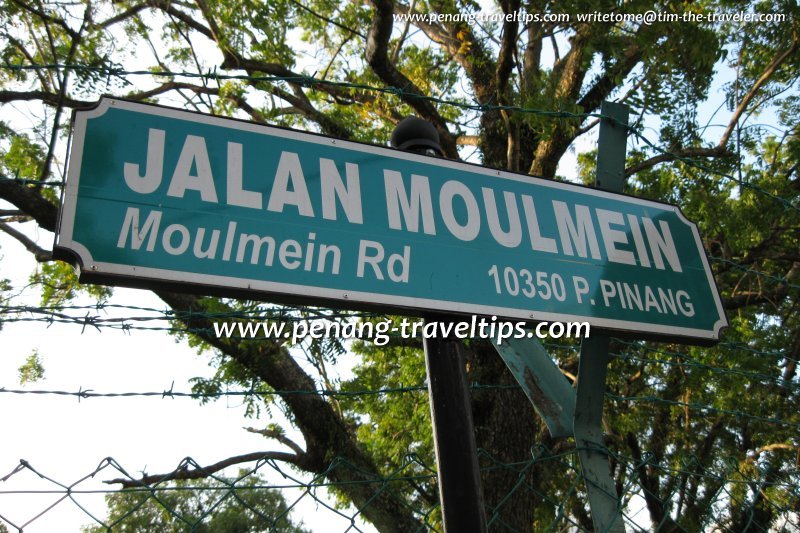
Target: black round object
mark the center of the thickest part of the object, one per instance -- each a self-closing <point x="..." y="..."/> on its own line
<point x="415" y="135"/>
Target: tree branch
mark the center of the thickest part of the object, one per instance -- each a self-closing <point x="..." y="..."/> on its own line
<point x="39" y="253"/>
<point x="532" y="57"/>
<point x="328" y="125"/>
<point x="300" y="103"/>
<point x="326" y="434"/>
<point x="52" y="99"/>
<point x="747" y="298"/>
<point x="128" y="13"/>
<point x="77" y="39"/>
<point x="570" y="72"/>
<point x="773" y="66"/>
<point x="277" y="434"/>
<point x="771" y="448"/>
<point x="328" y="20"/>
<point x="505" y="65"/>
<point x="720" y="150"/>
<point x="505" y="57"/>
<point x="172" y="86"/>
<point x="168" y="7"/>
<point x="678" y="154"/>
<point x="604" y="86"/>
<point x="47" y="18"/>
<point x="377" y="56"/>
<point x="202" y="471"/>
<point x="30" y="201"/>
<point x="233" y="60"/>
<point x="21" y="47"/>
<point x="434" y="32"/>
<point x="465" y="49"/>
<point x="467" y="140"/>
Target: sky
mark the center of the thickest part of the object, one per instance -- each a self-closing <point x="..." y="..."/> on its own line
<point x="66" y="439"/>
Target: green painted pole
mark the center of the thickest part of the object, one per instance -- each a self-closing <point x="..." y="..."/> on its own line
<point x="551" y="394"/>
<point x="594" y="357"/>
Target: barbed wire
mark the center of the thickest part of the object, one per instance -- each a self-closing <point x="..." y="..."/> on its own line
<point x="701" y="165"/>
<point x="302" y="80"/>
<point x="83" y="393"/>
<point x="38" y="183"/>
<point x="749" y="270"/>
<point x="51" y="314"/>
<point x="310" y="81"/>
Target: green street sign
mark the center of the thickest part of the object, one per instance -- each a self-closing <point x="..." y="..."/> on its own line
<point x="160" y="196"/>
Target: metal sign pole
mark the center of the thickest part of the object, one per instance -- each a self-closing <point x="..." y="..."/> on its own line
<point x="459" y="477"/>
<point x="454" y="437"/>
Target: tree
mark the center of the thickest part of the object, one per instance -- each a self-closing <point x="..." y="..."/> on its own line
<point x="224" y="505"/>
<point x="703" y="435"/>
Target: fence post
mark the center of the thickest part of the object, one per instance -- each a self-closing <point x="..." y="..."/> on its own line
<point x="594" y="356"/>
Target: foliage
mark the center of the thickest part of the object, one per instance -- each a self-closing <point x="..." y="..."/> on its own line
<point x="5" y="288"/>
<point x="59" y="284"/>
<point x="207" y="505"/>
<point x="32" y="370"/>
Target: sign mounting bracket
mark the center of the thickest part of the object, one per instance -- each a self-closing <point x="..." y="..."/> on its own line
<point x="578" y="411"/>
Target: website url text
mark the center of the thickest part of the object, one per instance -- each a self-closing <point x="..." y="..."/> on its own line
<point x="380" y="332"/>
<point x="646" y="18"/>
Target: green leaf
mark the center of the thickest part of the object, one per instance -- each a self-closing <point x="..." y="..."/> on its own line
<point x="32" y="370"/>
